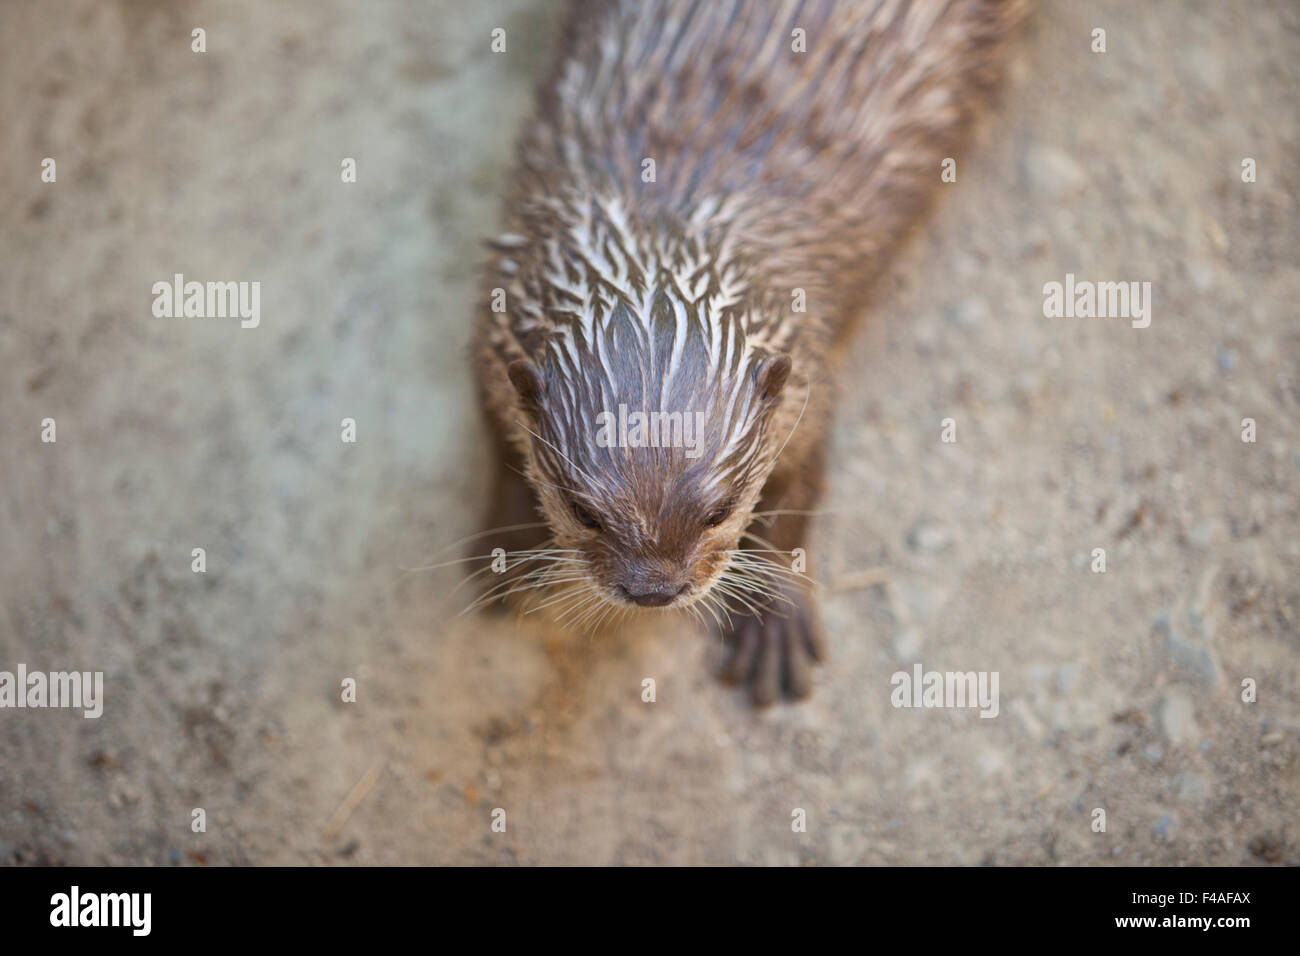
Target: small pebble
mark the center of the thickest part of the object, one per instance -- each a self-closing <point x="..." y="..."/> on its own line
<point x="1227" y="358"/>
<point x="1177" y="717"/>
<point x="1049" y="170"/>
<point x="928" y="538"/>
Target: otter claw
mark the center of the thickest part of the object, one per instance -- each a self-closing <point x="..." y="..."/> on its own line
<point x="774" y="651"/>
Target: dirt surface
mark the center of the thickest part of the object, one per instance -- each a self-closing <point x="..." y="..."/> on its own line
<point x="1119" y="691"/>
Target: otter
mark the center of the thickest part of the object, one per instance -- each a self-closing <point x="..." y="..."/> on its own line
<point x="700" y="206"/>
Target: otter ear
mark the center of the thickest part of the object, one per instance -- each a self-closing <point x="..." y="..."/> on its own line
<point x="770" y="376"/>
<point x="528" y="383"/>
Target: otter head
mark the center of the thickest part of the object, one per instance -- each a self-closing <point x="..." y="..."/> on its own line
<point x="649" y="443"/>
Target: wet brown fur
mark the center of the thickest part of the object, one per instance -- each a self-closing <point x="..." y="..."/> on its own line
<point x="777" y="171"/>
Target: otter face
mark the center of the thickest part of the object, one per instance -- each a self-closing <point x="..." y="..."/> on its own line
<point x="651" y="549"/>
<point x="646" y="500"/>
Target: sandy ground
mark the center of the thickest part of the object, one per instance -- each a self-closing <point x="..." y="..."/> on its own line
<point x="1119" y="691"/>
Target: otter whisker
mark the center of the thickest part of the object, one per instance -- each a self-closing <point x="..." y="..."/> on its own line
<point x="551" y="593"/>
<point x="752" y="599"/>
<point x="708" y="606"/>
<point x="564" y="594"/>
<point x="781" y="512"/>
<point x="752" y="579"/>
<point x="583" y="610"/>
<point x="539" y="578"/>
<point x="761" y="540"/>
<point x="504" y="529"/>
<point x="594" y="627"/>
<point x="806" y="395"/>
<point x="734" y="591"/>
<point x="765" y="576"/>
<point x="768" y="566"/>
<point x="520" y="558"/>
<point x="722" y="603"/>
<point x="518" y="562"/>
<point x="748" y="558"/>
<point x="447" y="564"/>
<point x="494" y="592"/>
<point x="584" y="474"/>
<point x="571" y="491"/>
<point x="570" y="600"/>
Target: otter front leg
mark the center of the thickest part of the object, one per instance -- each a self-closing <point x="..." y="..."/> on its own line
<point x="775" y="648"/>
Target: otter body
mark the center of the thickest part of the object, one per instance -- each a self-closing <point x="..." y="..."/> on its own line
<point x="699" y="208"/>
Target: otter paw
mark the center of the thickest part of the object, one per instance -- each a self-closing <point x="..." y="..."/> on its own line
<point x="774" y="651"/>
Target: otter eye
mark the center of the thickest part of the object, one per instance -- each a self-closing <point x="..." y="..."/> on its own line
<point x="720" y="514"/>
<point x="585" y="517"/>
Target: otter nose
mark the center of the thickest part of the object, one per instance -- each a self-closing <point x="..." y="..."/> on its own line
<point x="653" y="597"/>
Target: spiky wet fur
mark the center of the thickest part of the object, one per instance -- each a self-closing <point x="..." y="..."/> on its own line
<point x="777" y="175"/>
